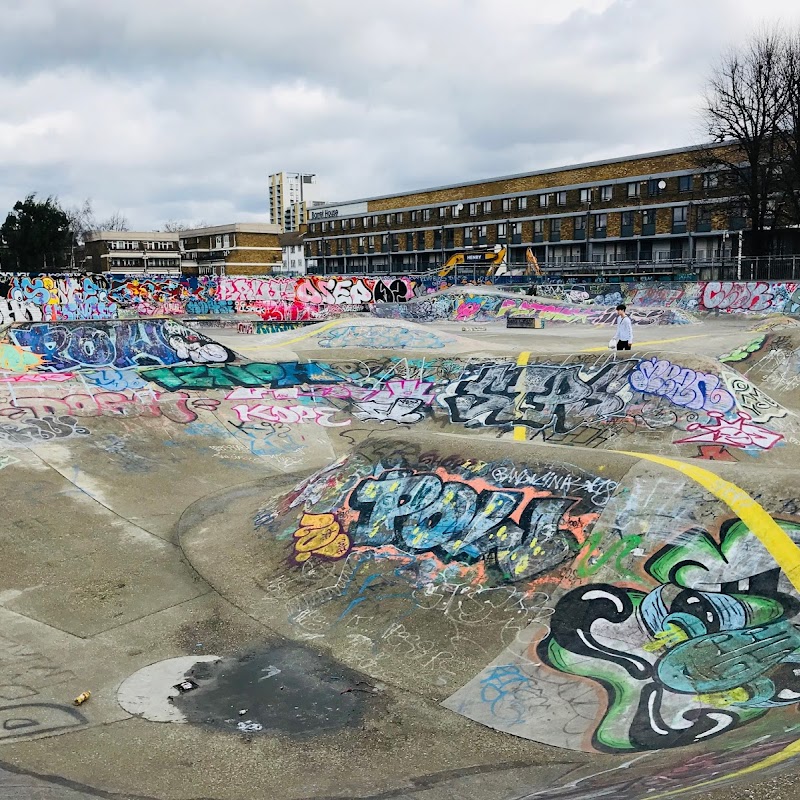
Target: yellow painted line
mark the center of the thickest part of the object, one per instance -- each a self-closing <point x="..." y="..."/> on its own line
<point x="520" y="431"/>
<point x="652" y="341"/>
<point x="777" y="542"/>
<point x="300" y="338"/>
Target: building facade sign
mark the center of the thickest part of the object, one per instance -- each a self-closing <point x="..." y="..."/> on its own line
<point x="334" y="212"/>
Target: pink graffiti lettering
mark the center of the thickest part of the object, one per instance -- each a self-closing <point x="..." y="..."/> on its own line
<point x="740" y="432"/>
<point x="291" y="415"/>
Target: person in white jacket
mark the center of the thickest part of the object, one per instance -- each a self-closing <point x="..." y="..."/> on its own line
<point x="624" y="329"/>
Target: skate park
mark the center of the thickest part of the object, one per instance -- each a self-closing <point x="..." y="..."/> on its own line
<point x="369" y="539"/>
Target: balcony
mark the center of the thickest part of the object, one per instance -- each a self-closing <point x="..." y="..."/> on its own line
<point x="538" y="237"/>
<point x="579" y="233"/>
<point x="703" y="226"/>
<point x="516" y="238"/>
<point x="600" y="233"/>
<point x="649" y="229"/>
<point x="679" y="227"/>
<point x="555" y="236"/>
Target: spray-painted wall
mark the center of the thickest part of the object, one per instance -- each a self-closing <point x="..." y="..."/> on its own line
<point x="27" y="298"/>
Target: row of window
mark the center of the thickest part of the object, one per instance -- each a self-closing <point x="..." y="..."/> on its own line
<point x="655" y="187"/>
<point x="138" y="262"/>
<point x="599" y="219"/>
<point x="122" y="244"/>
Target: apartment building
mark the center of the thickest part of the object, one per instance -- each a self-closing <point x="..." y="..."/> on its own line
<point x="617" y="216"/>
<point x="240" y="248"/>
<point x="130" y="252"/>
<point x="291" y="196"/>
<point x="293" y="253"/>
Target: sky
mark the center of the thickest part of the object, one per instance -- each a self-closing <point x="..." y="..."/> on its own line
<point x="178" y="110"/>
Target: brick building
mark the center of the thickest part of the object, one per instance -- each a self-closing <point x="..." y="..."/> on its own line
<point x="130" y="252"/>
<point x="636" y="215"/>
<point x="241" y="248"/>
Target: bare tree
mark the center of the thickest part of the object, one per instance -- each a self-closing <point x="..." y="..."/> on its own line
<point x="789" y="130"/>
<point x="116" y="222"/>
<point x="744" y="106"/>
<point x="174" y="226"/>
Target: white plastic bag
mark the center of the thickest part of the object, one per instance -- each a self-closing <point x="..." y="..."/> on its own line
<point x="612" y="344"/>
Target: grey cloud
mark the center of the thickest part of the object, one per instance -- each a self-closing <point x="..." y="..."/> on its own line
<point x="155" y="106"/>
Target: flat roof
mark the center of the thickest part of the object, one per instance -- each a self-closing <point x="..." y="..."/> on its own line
<point x="548" y="171"/>
<point x="150" y="236"/>
<point x="233" y="227"/>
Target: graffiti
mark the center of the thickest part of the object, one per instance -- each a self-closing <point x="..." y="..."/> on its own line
<point x="132" y="344"/>
<point x="740" y="432"/>
<point x="745" y="351"/>
<point x="682" y="386"/>
<point x="517" y="533"/>
<point x="255" y="374"/>
<point x="15" y="359"/>
<point x="15" y="311"/>
<point x="320" y="535"/>
<point x="291" y="415"/>
<point x="44" y="429"/>
<point x="34" y="719"/>
<point x="401" y="401"/>
<point x="377" y="337"/>
<point x="697" y="661"/>
<point x="755" y="296"/>
<point x="751" y="399"/>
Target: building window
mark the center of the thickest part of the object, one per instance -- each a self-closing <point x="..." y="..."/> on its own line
<point x="654" y="186"/>
<point x="473" y="209"/>
<point x="218" y="242"/>
<point x="538" y="230"/>
<point x="371" y="241"/>
<point x="634" y="189"/>
<point x="345" y="224"/>
<point x="426" y="215"/>
<point x="324" y="226"/>
<point x="580" y="223"/>
<point x="501" y="230"/>
<point x="555" y="227"/>
<point x="516" y="229"/>
<point x="487" y="207"/>
<point x="679" y="219"/>
<point x="390" y="219"/>
<point x="544" y="200"/>
<point x="522" y="203"/>
<point x="606" y="192"/>
<point x="561" y="198"/>
<point x="627" y="219"/>
<point x="685" y="183"/>
<point x="399" y="218"/>
<point x="507" y="204"/>
<point x="414" y="216"/>
<point x="375" y="221"/>
<point x="586" y="195"/>
<point x="442" y="212"/>
<point x="648" y="219"/>
<point x="600" y="224"/>
<point x="365" y="222"/>
<point x="710" y="180"/>
<point x="226" y="241"/>
<point x="409" y="241"/>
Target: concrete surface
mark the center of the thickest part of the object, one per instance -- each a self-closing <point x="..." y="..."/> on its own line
<point x="142" y="524"/>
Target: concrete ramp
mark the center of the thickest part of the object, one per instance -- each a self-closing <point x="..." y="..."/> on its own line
<point x="488" y="305"/>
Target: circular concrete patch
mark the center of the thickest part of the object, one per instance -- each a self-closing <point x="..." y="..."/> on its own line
<point x="149" y="691"/>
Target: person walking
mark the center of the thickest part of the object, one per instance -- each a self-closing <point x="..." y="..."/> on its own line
<point x="624" y="328"/>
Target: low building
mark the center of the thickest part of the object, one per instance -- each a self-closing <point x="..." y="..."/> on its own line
<point x="294" y="255"/>
<point x="241" y="248"/>
<point x="130" y="252"/>
<point x="638" y="216"/>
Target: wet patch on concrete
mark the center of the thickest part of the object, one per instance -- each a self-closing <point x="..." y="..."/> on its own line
<point x="282" y="688"/>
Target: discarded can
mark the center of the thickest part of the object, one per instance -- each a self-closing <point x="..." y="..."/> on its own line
<point x="82" y="698"/>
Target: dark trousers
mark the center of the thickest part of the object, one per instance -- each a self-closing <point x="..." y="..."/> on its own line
<point x="623" y="345"/>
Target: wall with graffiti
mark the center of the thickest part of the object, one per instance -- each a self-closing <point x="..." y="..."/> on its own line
<point x="630" y="613"/>
<point x="52" y="298"/>
<point x="32" y="298"/>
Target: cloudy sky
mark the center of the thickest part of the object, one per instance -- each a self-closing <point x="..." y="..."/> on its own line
<point x="179" y="109"/>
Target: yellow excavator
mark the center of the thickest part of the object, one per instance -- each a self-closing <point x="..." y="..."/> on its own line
<point x="494" y="258"/>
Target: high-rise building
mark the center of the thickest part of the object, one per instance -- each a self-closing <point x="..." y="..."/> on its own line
<point x="291" y="194"/>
